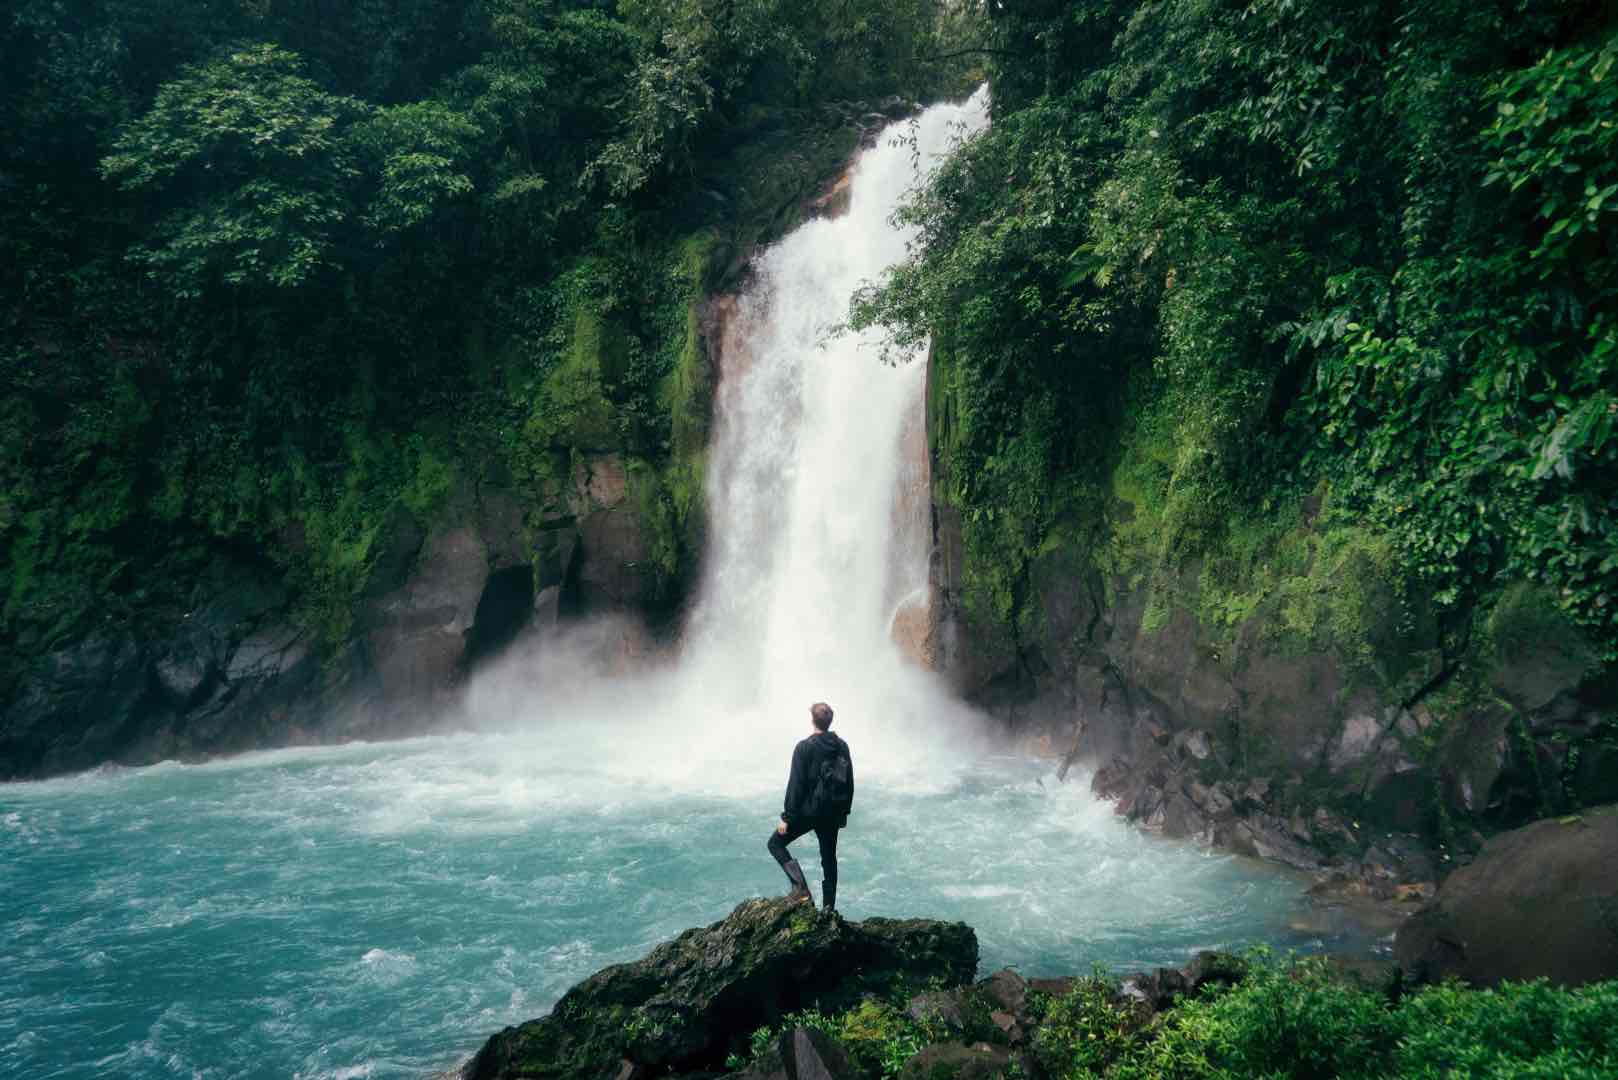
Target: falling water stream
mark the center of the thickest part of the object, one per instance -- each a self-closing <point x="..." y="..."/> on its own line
<point x="378" y="910"/>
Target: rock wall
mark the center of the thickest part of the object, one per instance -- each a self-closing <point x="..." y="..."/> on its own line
<point x="1313" y="713"/>
<point x="238" y="671"/>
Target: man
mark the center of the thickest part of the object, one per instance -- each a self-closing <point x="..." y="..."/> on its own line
<point x="820" y="792"/>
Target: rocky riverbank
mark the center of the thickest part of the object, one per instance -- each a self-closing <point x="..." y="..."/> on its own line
<point x="693" y="1005"/>
<point x="781" y="991"/>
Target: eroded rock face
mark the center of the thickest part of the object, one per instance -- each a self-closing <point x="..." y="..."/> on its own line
<point x="240" y="670"/>
<point x="74" y="712"/>
<point x="683" y="1005"/>
<point x="232" y="669"/>
<point x="1541" y="900"/>
<point x="416" y="634"/>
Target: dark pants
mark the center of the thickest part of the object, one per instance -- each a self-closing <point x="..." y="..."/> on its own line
<point x="826" y="834"/>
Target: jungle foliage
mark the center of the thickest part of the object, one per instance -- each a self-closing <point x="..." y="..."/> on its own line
<point x="275" y="269"/>
<point x="1245" y="254"/>
<point x="1303" y="1020"/>
<point x="1291" y="1019"/>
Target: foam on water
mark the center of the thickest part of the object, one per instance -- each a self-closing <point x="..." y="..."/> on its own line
<point x="387" y="907"/>
<point x="378" y="911"/>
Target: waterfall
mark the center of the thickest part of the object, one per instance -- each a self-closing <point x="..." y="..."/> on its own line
<point x="819" y="526"/>
<point x="816" y="464"/>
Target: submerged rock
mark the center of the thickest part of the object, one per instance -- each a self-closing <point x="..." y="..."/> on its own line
<point x="691" y="1000"/>
<point x="1541" y="900"/>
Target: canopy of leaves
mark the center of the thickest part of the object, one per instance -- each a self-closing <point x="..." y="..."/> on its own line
<point x="1370" y="246"/>
<point x="277" y="271"/>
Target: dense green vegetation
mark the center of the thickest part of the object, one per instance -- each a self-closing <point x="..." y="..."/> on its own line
<point x="277" y="270"/>
<point x="1301" y="1019"/>
<point x="1305" y="307"/>
<point x="1289" y="302"/>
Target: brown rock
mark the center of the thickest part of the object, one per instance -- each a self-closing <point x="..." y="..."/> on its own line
<point x="915" y="631"/>
<point x="418" y="632"/>
<point x="834" y="202"/>
<point x="1008" y="989"/>
<point x="809" y="1054"/>
<point x="939" y="1007"/>
<point x="1541" y="900"/>
<point x="959" y="1062"/>
<point x="613" y="549"/>
<point x="600" y="482"/>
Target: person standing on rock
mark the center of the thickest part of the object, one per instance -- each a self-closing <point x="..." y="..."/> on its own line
<point x="820" y="791"/>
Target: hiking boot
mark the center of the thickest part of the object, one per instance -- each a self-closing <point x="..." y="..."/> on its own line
<point x="800" y="886"/>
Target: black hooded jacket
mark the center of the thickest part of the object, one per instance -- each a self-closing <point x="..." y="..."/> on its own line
<point x="806" y="759"/>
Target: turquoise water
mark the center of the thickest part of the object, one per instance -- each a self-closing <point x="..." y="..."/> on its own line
<point x="379" y="910"/>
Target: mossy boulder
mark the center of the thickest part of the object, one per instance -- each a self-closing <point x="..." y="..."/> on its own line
<point x="690" y="1001"/>
<point x="1539" y="901"/>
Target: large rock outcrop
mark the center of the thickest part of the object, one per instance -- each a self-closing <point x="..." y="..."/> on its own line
<point x="689" y="1002"/>
<point x="1301" y="706"/>
<point x="1541" y="900"/>
<point x="242" y="669"/>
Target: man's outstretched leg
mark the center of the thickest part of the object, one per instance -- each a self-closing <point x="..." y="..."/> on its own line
<point x="827" y="835"/>
<point x="778" y="847"/>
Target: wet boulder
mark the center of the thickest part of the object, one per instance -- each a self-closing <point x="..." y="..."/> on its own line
<point x="690" y="1001"/>
<point x="417" y="633"/>
<point x="1537" y="901"/>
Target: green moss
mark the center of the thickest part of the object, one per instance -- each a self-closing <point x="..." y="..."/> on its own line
<point x="669" y="507"/>
<point x="571" y="407"/>
<point x="801" y="922"/>
<point x="1527" y="620"/>
<point x="430" y="483"/>
<point x="344" y="526"/>
<point x="686" y="392"/>
<point x="1292" y="576"/>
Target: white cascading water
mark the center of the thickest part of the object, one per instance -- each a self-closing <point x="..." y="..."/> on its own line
<point x="815" y="544"/>
<point x="819" y="531"/>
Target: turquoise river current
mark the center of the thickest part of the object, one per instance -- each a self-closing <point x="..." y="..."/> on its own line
<point x="379" y="910"/>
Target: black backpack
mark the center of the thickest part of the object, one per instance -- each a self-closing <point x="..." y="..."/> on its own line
<point x="833" y="793"/>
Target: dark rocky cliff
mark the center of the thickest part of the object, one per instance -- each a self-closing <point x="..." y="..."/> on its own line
<point x="1294" y="700"/>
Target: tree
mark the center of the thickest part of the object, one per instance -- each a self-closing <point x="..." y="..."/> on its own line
<point x="253" y="164"/>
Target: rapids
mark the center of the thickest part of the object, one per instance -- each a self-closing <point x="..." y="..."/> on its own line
<point x="379" y="910"/>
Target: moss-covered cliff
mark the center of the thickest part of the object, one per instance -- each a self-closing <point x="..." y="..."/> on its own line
<point x="1273" y="407"/>
<point x="1298" y="653"/>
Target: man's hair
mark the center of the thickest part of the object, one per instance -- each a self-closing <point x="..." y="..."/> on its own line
<point x="820" y="715"/>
